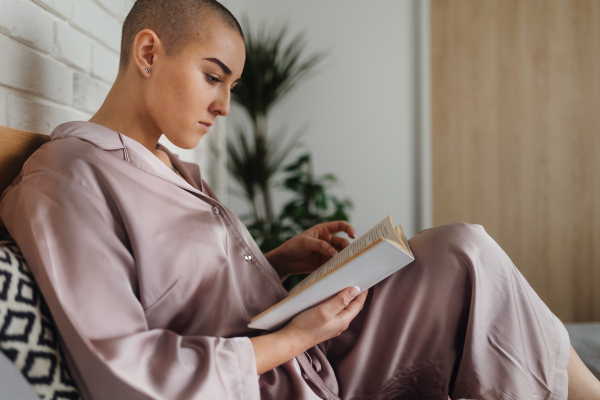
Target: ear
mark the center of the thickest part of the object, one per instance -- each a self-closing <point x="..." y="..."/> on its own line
<point x="146" y="46"/>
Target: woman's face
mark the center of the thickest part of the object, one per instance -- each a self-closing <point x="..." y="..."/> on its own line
<point x="188" y="91"/>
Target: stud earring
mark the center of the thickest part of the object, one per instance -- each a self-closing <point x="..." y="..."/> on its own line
<point x="148" y="70"/>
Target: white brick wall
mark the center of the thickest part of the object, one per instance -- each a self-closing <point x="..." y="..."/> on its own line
<point x="88" y="93"/>
<point x="62" y="8"/>
<point x="32" y="72"/>
<point x="32" y="115"/>
<point x="72" y="46"/>
<point x="60" y="58"/>
<point x="96" y="22"/>
<point x="105" y="63"/>
<point x="26" y="22"/>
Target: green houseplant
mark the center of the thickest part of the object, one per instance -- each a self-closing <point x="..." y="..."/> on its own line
<point x="274" y="66"/>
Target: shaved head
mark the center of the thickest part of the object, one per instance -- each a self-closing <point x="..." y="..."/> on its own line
<point x="175" y="22"/>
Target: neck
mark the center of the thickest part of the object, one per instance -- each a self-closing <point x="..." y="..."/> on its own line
<point x="124" y="112"/>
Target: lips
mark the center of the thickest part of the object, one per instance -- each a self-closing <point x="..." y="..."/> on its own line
<point x="205" y="125"/>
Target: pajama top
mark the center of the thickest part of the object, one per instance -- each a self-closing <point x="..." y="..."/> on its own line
<point x="150" y="279"/>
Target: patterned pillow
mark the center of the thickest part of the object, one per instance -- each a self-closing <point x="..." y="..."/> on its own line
<point x="27" y="333"/>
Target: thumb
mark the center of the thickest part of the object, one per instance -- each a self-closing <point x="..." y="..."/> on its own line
<point x="332" y="307"/>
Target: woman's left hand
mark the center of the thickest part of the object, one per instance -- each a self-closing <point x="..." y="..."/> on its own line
<point x="309" y="250"/>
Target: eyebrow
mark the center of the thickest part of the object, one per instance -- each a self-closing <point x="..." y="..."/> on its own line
<point x="224" y="67"/>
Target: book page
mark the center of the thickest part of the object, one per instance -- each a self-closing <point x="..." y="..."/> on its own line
<point x="403" y="242"/>
<point x="383" y="229"/>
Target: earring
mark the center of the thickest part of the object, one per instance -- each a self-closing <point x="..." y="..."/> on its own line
<point x="148" y="70"/>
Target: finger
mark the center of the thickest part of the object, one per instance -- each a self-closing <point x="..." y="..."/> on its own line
<point x="340" y="226"/>
<point x="339" y="243"/>
<point x="320" y="246"/>
<point x="337" y="303"/>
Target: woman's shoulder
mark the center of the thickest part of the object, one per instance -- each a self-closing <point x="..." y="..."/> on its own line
<point x="76" y="162"/>
<point x="75" y="148"/>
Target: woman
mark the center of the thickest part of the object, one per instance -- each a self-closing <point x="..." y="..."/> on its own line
<point x="152" y="282"/>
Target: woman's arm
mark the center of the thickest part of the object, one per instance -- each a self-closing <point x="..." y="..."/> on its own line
<point x="303" y="254"/>
<point x="307" y="329"/>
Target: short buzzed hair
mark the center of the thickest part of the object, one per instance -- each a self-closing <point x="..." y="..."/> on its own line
<point x="175" y="22"/>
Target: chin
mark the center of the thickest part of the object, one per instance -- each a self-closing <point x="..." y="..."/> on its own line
<point x="187" y="141"/>
<point x="190" y="143"/>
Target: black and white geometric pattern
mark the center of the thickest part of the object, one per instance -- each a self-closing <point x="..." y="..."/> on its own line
<point x="27" y="333"/>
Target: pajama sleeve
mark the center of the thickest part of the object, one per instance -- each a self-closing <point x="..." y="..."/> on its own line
<point x="79" y="252"/>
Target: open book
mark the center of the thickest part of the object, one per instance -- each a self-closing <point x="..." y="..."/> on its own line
<point x="371" y="258"/>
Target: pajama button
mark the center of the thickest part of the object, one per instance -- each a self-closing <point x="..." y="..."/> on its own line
<point x="248" y="258"/>
<point x="216" y="211"/>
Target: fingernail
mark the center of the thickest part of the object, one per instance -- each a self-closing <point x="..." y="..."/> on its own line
<point x="333" y="252"/>
<point x="354" y="290"/>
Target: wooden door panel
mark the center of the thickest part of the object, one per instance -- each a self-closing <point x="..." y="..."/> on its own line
<point x="516" y="137"/>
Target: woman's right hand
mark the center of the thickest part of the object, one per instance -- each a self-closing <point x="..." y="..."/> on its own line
<point x="328" y="319"/>
<point x="307" y="329"/>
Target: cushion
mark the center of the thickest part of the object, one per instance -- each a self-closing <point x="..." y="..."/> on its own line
<point x="28" y="336"/>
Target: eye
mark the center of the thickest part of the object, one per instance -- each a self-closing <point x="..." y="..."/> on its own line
<point x="211" y="79"/>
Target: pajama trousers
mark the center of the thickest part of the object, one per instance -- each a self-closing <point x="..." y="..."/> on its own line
<point x="459" y="320"/>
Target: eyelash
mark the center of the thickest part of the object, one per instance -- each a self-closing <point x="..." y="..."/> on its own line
<point x="212" y="81"/>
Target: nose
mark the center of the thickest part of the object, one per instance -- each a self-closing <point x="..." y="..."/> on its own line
<point x="220" y="106"/>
